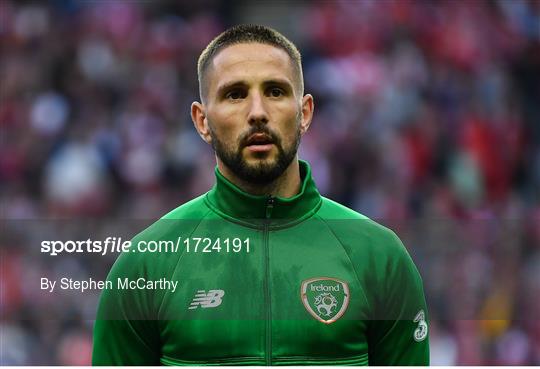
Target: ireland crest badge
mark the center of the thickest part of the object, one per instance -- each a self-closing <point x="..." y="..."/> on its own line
<point x="326" y="299"/>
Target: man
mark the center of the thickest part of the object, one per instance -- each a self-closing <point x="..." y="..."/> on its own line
<point x="269" y="272"/>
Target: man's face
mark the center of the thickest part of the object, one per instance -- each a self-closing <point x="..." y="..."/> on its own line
<point x="253" y="110"/>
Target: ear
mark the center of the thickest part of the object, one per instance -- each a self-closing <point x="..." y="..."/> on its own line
<point x="200" y="122"/>
<point x="308" y="106"/>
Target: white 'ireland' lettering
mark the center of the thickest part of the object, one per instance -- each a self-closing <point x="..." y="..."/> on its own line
<point x="323" y="288"/>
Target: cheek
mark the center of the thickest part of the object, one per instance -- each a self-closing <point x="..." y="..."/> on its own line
<point x="229" y="113"/>
<point x="225" y="123"/>
<point x="289" y="124"/>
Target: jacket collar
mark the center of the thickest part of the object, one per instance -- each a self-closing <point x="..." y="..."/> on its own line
<point x="229" y="200"/>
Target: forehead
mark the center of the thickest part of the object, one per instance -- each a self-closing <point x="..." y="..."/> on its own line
<point x="250" y="61"/>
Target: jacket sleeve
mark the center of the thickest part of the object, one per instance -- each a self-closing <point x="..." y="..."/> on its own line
<point x="124" y="331"/>
<point x="398" y="333"/>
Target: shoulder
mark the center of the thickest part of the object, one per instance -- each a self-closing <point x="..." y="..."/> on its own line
<point x="178" y="223"/>
<point x="331" y="209"/>
<point x="357" y="231"/>
<point x="193" y="209"/>
<point x="377" y="254"/>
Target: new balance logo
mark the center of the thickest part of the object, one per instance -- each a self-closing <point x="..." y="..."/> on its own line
<point x="207" y="300"/>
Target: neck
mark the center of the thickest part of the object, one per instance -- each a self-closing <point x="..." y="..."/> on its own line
<point x="285" y="186"/>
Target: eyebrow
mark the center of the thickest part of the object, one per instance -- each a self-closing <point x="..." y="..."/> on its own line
<point x="277" y="81"/>
<point x="229" y="85"/>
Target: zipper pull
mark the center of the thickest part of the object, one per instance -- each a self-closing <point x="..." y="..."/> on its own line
<point x="270" y="206"/>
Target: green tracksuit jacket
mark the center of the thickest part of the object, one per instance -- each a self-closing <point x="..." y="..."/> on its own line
<point x="263" y="281"/>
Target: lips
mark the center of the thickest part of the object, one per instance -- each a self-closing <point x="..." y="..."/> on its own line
<point x="259" y="139"/>
<point x="259" y="143"/>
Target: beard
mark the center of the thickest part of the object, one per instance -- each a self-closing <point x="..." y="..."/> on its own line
<point x="264" y="171"/>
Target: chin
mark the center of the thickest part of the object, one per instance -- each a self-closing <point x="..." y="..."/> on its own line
<point x="257" y="159"/>
<point x="260" y="157"/>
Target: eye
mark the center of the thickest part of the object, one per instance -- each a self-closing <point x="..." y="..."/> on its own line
<point x="276" y="92"/>
<point x="234" y="95"/>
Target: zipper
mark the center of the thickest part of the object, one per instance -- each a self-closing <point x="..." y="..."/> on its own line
<point x="269" y="208"/>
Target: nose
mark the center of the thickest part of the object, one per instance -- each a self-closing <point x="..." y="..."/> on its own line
<point x="257" y="110"/>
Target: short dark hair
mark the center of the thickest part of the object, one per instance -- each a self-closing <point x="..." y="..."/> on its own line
<point x="247" y="33"/>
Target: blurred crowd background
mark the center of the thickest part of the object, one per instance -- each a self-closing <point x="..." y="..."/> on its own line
<point x="427" y="119"/>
